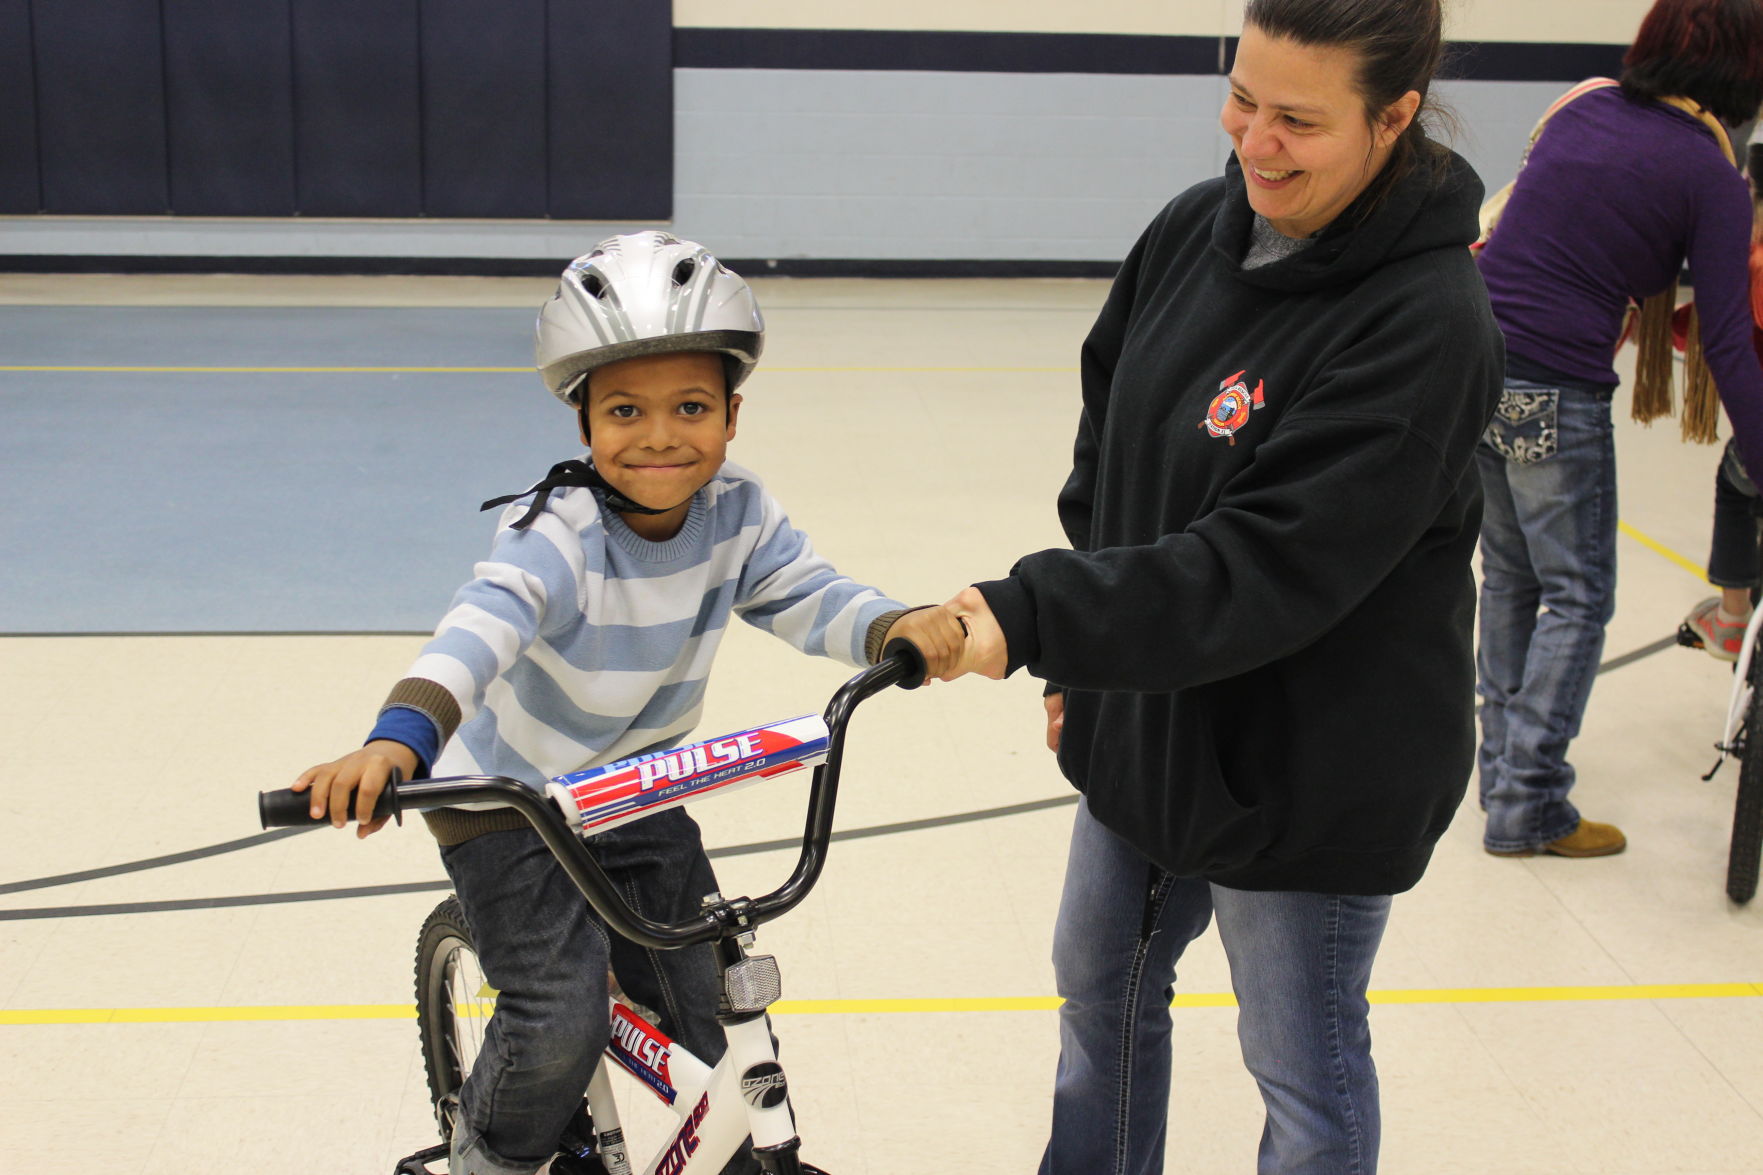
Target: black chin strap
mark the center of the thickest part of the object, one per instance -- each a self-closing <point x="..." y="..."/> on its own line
<point x="568" y="473"/>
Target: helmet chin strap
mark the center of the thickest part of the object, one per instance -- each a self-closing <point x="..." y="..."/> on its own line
<point x="569" y="473"/>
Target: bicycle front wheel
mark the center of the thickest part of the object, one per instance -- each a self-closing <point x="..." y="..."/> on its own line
<point x="1747" y="814"/>
<point x="453" y="1005"/>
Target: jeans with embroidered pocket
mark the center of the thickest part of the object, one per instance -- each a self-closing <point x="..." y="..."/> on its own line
<point x="1548" y="561"/>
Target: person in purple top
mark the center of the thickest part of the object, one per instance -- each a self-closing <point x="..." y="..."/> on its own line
<point x="1625" y="186"/>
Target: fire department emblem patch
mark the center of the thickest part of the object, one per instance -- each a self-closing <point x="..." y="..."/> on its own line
<point x="1231" y="407"/>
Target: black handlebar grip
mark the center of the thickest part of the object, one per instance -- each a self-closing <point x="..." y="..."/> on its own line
<point x="912" y="665"/>
<point x="286" y="808"/>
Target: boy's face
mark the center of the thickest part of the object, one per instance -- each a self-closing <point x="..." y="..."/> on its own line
<point x="659" y="428"/>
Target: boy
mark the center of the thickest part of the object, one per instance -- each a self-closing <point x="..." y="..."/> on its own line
<point x="587" y="638"/>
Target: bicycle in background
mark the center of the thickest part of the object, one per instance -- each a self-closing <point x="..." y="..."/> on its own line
<point x="1741" y="738"/>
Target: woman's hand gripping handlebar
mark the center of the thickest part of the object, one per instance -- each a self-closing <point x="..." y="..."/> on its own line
<point x="900" y="665"/>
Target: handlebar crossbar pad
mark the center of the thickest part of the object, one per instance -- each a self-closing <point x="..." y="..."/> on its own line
<point x="286" y="808"/>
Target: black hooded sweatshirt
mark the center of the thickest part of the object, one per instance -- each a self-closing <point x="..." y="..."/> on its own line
<point x="1263" y="629"/>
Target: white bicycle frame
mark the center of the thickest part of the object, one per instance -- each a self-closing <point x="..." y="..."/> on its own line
<point x="716" y="1108"/>
<point x="1739" y="701"/>
<point x="745" y="1093"/>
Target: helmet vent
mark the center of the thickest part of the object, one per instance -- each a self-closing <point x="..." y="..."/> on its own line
<point x="595" y="285"/>
<point x="682" y="273"/>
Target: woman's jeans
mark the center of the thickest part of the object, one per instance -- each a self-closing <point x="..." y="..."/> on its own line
<point x="1299" y="964"/>
<point x="1548" y="564"/>
<point x="1732" y="554"/>
<point x="546" y="953"/>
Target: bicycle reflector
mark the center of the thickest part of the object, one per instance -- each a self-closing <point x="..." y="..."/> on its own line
<point x="753" y="984"/>
<point x="605" y="797"/>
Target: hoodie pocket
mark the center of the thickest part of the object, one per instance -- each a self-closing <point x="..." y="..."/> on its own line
<point x="1526" y="426"/>
<point x="1159" y="784"/>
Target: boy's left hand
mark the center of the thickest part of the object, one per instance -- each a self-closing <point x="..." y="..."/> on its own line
<point x="937" y="633"/>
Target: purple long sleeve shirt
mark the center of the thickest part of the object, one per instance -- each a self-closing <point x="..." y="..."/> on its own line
<point x="1616" y="196"/>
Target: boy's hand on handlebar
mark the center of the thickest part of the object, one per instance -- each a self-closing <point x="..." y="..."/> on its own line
<point x="937" y="633"/>
<point x="987" y="652"/>
<point x="355" y="782"/>
<point x="1054" y="704"/>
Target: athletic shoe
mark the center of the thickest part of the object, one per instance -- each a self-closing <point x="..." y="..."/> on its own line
<point x="1720" y="638"/>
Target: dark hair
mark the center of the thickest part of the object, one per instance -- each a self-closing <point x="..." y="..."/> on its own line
<point x="1399" y="44"/>
<point x="1709" y="51"/>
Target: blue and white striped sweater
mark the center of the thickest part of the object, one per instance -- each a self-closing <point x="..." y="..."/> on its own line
<point x="578" y="642"/>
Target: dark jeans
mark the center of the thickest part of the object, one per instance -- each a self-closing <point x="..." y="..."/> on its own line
<point x="1732" y="556"/>
<point x="546" y="953"/>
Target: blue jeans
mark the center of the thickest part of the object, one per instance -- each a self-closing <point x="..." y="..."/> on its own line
<point x="1548" y="562"/>
<point x="1300" y="964"/>
<point x="546" y="953"/>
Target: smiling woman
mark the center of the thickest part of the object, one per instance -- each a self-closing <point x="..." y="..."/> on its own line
<point x="1303" y="136"/>
<point x="1272" y="514"/>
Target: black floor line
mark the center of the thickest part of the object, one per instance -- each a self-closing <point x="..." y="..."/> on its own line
<point x="1639" y="654"/>
<point x="231" y="846"/>
<point x="371" y="891"/>
<point x="318" y="895"/>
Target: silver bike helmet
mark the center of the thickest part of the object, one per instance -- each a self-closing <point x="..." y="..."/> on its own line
<point x="646" y="293"/>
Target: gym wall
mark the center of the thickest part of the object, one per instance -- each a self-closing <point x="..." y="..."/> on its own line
<point x="916" y="136"/>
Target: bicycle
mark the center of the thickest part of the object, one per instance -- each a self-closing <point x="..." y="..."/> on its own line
<point x="745" y="1094"/>
<point x="1744" y="719"/>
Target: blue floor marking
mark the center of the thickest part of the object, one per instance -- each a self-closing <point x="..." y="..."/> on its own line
<point x="258" y="502"/>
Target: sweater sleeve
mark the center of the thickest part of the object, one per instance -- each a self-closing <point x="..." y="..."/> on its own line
<point x="1347" y="485"/>
<point x="1719" y="259"/>
<point x="492" y="620"/>
<point x="791" y="592"/>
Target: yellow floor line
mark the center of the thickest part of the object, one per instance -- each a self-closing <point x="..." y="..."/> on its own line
<point x="1659" y="548"/>
<point x="1442" y="995"/>
<point x="136" y="370"/>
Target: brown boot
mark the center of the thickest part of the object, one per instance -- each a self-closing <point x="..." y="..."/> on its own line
<point x="1589" y="839"/>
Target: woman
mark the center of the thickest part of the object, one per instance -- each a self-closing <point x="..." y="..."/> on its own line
<point x="1273" y="481"/>
<point x="1561" y="269"/>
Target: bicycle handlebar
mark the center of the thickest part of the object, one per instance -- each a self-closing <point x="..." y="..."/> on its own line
<point x="901" y="665"/>
<point x="291" y="809"/>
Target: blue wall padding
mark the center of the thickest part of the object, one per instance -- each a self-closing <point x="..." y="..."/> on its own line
<point x="358" y="122"/>
<point x="393" y="108"/>
<point x="483" y="108"/>
<point x="100" y="106"/>
<point x="20" y="189"/>
<point x="607" y="107"/>
<point x="229" y="107"/>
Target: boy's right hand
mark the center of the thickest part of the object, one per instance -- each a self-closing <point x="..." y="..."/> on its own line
<point x="356" y="779"/>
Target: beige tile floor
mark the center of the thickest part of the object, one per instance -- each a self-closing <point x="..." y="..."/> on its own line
<point x="1538" y="1016"/>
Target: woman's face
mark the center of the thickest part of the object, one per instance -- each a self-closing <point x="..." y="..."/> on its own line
<point x="1300" y="131"/>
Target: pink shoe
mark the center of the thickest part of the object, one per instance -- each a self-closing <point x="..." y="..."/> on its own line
<point x="1721" y="639"/>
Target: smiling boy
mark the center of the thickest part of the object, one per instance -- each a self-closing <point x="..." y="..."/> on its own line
<point x="587" y="638"/>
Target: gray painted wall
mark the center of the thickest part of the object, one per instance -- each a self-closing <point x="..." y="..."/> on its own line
<point x="857" y="165"/>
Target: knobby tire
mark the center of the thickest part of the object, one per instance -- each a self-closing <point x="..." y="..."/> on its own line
<point x="1747" y="816"/>
<point x="450" y="1011"/>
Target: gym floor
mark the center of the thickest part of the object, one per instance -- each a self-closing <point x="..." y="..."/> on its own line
<point x="236" y="505"/>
